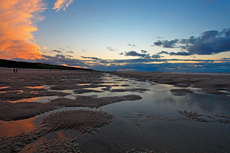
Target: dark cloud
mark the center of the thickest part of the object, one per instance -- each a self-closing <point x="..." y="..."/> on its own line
<point x="166" y="43"/>
<point x="210" y="42"/>
<point x="132" y="45"/>
<point x="158" y="43"/>
<point x="56" y="51"/>
<point x="175" y="53"/>
<point x="59" y="60"/>
<point x="94" y="58"/>
<point x="156" y="56"/>
<point x="59" y="56"/>
<point x="134" y="53"/>
<point x="121" y="53"/>
<point x="209" y="34"/>
<point x="68" y="56"/>
<point x="111" y="49"/>
<point x="225" y="59"/>
<point x="70" y="52"/>
<point x="144" y="51"/>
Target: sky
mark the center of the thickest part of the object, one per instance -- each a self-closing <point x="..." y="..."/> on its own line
<point x="118" y="35"/>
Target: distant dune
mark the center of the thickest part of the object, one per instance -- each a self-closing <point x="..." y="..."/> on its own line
<point x="16" y="64"/>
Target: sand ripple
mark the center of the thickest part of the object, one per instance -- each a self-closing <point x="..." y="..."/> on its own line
<point x="53" y="145"/>
<point x="84" y="121"/>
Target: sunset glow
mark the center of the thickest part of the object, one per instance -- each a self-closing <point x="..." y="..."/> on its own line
<point x="16" y="32"/>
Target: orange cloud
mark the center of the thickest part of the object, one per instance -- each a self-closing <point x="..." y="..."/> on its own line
<point x="72" y="66"/>
<point x="17" y="18"/>
<point x="61" y="4"/>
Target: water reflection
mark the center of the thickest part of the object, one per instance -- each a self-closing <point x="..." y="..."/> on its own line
<point x="35" y="87"/>
<point x="16" y="127"/>
<point x="4" y="87"/>
<point x="43" y="99"/>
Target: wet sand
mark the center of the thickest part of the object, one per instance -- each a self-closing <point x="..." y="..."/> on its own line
<point x="30" y="84"/>
<point x="209" y="83"/>
<point x="17" y="89"/>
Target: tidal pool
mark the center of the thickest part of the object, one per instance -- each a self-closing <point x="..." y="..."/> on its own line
<point x="152" y="122"/>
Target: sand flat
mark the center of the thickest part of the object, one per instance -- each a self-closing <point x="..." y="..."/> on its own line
<point x="210" y="83"/>
<point x="134" y="111"/>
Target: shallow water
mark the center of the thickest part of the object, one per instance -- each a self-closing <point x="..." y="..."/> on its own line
<point x="151" y="123"/>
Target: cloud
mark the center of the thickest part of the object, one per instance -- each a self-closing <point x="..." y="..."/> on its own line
<point x="144" y="51"/>
<point x="134" y="53"/>
<point x="57" y="51"/>
<point x="175" y="53"/>
<point x="132" y="45"/>
<point x="68" y="56"/>
<point x="56" y="60"/>
<point x="18" y="18"/>
<point x="94" y="58"/>
<point x="156" y="56"/>
<point x="70" y="52"/>
<point x="166" y="43"/>
<point x="60" y="60"/>
<point x="111" y="49"/>
<point x="208" y="43"/>
<point x="62" y="4"/>
<point x="141" y="64"/>
<point x="59" y="56"/>
<point x="45" y="48"/>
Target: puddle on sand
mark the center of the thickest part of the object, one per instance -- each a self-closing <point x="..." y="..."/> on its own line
<point x="223" y="90"/>
<point x="144" y="124"/>
<point x="35" y="87"/>
<point x="44" y="99"/>
<point x="4" y="87"/>
<point x="84" y="84"/>
<point x="12" y="128"/>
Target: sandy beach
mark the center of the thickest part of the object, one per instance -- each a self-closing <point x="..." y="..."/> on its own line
<point x="85" y="102"/>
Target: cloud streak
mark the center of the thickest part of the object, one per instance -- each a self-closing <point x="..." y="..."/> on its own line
<point x="134" y="53"/>
<point x="17" y="18"/>
<point x="62" y="4"/>
<point x="111" y="49"/>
